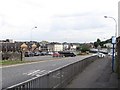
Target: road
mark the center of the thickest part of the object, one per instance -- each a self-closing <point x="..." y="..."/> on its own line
<point x="16" y="74"/>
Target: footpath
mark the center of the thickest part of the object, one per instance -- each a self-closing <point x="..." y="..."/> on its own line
<point x="97" y="75"/>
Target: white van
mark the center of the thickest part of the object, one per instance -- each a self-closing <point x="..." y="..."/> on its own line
<point x="101" y="55"/>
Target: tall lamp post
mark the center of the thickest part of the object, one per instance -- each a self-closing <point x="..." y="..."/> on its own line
<point x="113" y="41"/>
<point x="31" y="38"/>
<point x="115" y="24"/>
<point x="31" y="31"/>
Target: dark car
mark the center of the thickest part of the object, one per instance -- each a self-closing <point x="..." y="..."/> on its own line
<point x="43" y="53"/>
<point x="26" y="54"/>
<point x="67" y="54"/>
<point x="29" y="54"/>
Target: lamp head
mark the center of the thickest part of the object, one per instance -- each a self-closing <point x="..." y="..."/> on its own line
<point x="105" y="16"/>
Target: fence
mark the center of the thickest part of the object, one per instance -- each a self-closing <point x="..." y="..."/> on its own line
<point x="58" y="78"/>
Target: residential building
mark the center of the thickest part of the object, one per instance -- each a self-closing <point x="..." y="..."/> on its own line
<point x="54" y="46"/>
<point x="43" y="46"/>
<point x="65" y="46"/>
<point x="108" y="45"/>
<point x="73" y="46"/>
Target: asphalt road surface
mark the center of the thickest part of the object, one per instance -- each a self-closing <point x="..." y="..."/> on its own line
<point x="12" y="75"/>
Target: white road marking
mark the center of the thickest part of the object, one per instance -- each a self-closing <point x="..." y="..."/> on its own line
<point x="28" y="72"/>
<point x="35" y="72"/>
<point x="38" y="73"/>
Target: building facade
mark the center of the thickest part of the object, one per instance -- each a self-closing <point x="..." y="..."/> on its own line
<point x="54" y="47"/>
<point x="118" y="56"/>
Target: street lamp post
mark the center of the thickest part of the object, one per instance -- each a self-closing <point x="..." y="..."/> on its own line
<point x="31" y="38"/>
<point x="31" y="32"/>
<point x="113" y="41"/>
<point x="115" y="24"/>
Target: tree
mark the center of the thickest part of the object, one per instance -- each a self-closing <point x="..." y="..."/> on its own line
<point x="98" y="42"/>
<point x="83" y="48"/>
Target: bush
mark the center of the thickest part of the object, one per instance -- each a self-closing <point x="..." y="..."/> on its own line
<point x="11" y="56"/>
<point x="85" y="48"/>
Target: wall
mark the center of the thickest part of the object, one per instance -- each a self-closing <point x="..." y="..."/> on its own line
<point x="50" y="47"/>
<point x="55" y="47"/>
<point x="58" y="47"/>
<point x="118" y="56"/>
<point x="119" y="18"/>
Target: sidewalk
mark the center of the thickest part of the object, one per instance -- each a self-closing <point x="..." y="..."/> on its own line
<point x="97" y="75"/>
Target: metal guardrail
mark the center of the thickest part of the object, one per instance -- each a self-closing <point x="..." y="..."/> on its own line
<point x="57" y="78"/>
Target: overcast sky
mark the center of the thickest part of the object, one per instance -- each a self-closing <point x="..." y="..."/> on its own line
<point x="57" y="20"/>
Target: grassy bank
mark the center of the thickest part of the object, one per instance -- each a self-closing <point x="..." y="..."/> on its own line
<point x="11" y="62"/>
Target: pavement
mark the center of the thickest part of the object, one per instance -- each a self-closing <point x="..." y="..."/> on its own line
<point x="97" y="75"/>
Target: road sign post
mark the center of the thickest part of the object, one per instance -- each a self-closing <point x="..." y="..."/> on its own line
<point x="113" y="55"/>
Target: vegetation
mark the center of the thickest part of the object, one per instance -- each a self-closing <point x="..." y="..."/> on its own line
<point x="101" y="43"/>
<point x="83" y="48"/>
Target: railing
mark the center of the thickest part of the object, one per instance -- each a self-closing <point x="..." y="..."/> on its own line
<point x="58" y="78"/>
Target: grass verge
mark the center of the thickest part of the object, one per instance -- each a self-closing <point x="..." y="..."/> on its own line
<point x="11" y="62"/>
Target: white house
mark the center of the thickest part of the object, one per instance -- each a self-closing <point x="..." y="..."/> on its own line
<point x="73" y="46"/>
<point x="65" y="46"/>
<point x="55" y="47"/>
<point x="108" y="45"/>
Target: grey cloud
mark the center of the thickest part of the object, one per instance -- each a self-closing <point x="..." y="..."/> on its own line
<point x="72" y="22"/>
<point x="73" y="15"/>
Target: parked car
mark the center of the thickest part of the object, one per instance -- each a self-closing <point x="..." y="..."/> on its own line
<point x="29" y="54"/>
<point x="101" y="55"/>
<point x="26" y="54"/>
<point x="37" y="53"/>
<point x="109" y="54"/>
<point x="67" y="54"/>
<point x="56" y="54"/>
<point x="50" y="53"/>
<point x="43" y="53"/>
